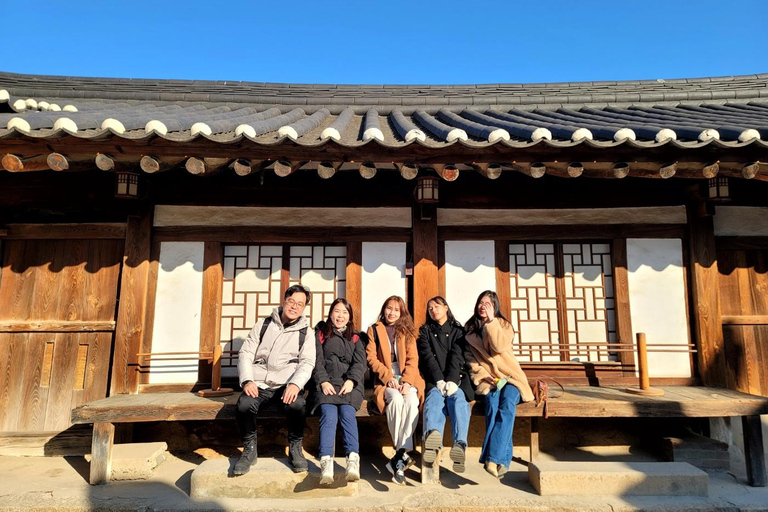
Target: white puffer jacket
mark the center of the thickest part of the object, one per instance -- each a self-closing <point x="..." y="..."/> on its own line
<point x="276" y="360"/>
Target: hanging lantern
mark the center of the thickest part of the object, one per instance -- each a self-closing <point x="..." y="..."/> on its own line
<point x="719" y="189"/>
<point x="126" y="184"/>
<point x="427" y="190"/>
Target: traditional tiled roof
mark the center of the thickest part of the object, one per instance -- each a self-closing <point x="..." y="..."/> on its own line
<point x="726" y="111"/>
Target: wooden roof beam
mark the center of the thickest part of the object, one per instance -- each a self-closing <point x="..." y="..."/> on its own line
<point x="244" y="167"/>
<point x="326" y="169"/>
<point x="449" y="172"/>
<point x="367" y="170"/>
<point x="153" y="164"/>
<point x="15" y="163"/>
<point x="108" y="163"/>
<point x="408" y="170"/>
<point x="285" y="168"/>
<point x="60" y="162"/>
<point x="490" y="171"/>
<point x="203" y="166"/>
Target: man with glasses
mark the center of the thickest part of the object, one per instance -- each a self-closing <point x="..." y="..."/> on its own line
<point x="274" y="364"/>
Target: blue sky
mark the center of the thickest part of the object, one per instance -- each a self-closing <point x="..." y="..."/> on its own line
<point x="389" y="42"/>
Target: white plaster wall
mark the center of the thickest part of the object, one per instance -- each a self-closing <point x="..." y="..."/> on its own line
<point x="470" y="269"/>
<point x="178" y="303"/>
<point x="741" y="221"/>
<point x="383" y="276"/>
<point x="657" y="302"/>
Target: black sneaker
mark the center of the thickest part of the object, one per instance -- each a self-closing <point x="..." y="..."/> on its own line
<point x="432" y="444"/>
<point x="396" y="466"/>
<point x="246" y="460"/>
<point x="458" y="455"/>
<point x="296" y="454"/>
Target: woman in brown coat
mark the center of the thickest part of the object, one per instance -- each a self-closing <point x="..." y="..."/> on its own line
<point x="399" y="388"/>
<point x="498" y="377"/>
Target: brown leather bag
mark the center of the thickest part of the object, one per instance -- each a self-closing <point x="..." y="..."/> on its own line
<point x="541" y="392"/>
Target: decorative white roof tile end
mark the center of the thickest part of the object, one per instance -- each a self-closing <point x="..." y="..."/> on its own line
<point x="54" y="107"/>
<point x="65" y="123"/>
<point x="201" y="128"/>
<point x="4" y="96"/>
<point x="31" y="104"/>
<point x="498" y="134"/>
<point x="19" y="105"/>
<point x="113" y="124"/>
<point x="373" y="133"/>
<point x="749" y="134"/>
<point x="289" y="131"/>
<point x="624" y="134"/>
<point x="415" y="135"/>
<point x="541" y="133"/>
<point x="665" y="134"/>
<point x="581" y="134"/>
<point x="19" y="123"/>
<point x="69" y="108"/>
<point x="709" y="134"/>
<point x="456" y="133"/>
<point x="245" y="129"/>
<point x="156" y="126"/>
<point x="330" y="133"/>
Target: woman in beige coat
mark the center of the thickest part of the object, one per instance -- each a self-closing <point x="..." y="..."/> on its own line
<point x="498" y="377"/>
<point x="399" y="388"/>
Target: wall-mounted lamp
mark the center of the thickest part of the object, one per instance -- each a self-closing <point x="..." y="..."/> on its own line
<point x="719" y="190"/>
<point x="427" y="194"/>
<point x="126" y="184"/>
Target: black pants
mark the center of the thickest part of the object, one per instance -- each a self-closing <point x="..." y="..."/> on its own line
<point x="248" y="409"/>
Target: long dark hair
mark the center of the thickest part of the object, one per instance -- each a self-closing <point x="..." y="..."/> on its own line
<point x="404" y="325"/>
<point x="451" y="319"/>
<point x="349" y="332"/>
<point x="475" y="323"/>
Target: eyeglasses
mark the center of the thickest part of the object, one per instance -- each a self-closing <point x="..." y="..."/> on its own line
<point x="293" y="303"/>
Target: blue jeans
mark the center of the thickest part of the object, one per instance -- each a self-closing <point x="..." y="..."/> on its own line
<point x="329" y="417"/>
<point x="437" y="407"/>
<point x="500" y="410"/>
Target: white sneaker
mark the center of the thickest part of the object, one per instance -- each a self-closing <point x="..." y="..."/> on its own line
<point x="326" y="469"/>
<point x="353" y="467"/>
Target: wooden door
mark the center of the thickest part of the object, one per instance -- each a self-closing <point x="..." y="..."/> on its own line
<point x="743" y="287"/>
<point x="57" y="319"/>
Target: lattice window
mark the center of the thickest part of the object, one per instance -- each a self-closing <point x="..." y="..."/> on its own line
<point x="562" y="301"/>
<point x="253" y="287"/>
<point x="323" y="269"/>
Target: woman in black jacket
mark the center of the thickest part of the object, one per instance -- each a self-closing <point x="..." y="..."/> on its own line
<point x="448" y="389"/>
<point x="338" y="387"/>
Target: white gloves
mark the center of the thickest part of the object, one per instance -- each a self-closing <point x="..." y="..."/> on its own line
<point x="450" y="388"/>
<point x="441" y="386"/>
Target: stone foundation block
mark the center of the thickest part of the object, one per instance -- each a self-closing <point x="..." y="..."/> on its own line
<point x="618" y="478"/>
<point x="135" y="461"/>
<point x="269" y="478"/>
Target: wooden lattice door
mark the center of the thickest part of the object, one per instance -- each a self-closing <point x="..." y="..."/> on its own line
<point x="57" y="317"/>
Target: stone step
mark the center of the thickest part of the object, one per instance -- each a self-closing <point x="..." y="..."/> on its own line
<point x="269" y="478"/>
<point x="135" y="461"/>
<point x="617" y="478"/>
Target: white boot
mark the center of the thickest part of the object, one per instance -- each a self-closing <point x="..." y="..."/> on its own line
<point x="326" y="468"/>
<point x="353" y="467"/>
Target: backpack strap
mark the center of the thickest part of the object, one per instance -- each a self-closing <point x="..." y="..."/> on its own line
<point x="302" y="333"/>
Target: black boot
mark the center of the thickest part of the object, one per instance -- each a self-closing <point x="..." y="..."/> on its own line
<point x="247" y="459"/>
<point x="296" y="454"/>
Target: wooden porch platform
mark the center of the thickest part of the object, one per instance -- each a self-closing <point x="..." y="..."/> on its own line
<point x="576" y="402"/>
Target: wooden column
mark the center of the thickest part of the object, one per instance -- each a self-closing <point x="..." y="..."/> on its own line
<point x="354" y="292"/>
<point x="502" y="277"/>
<point x="708" y="322"/>
<point x="101" y="453"/>
<point x="753" y="451"/>
<point x="210" y="315"/>
<point x="623" y="318"/>
<point x="131" y="314"/>
<point x="425" y="276"/>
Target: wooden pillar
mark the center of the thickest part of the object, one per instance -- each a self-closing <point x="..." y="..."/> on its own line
<point x="210" y="315"/>
<point x="623" y="318"/>
<point x="708" y="321"/>
<point x="534" y="439"/>
<point x="101" y="453"/>
<point x="502" y="277"/>
<point x="131" y="314"/>
<point x="753" y="451"/>
<point x="425" y="275"/>
<point x="354" y="292"/>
